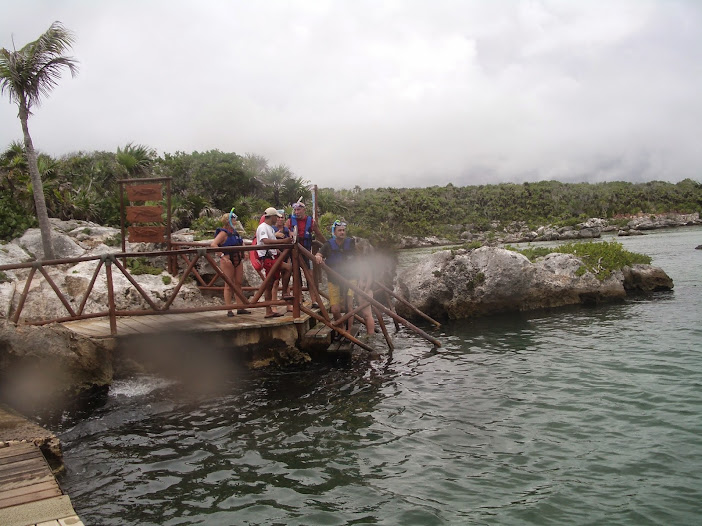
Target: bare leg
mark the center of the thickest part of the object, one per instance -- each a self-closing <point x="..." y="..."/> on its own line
<point x="228" y="269"/>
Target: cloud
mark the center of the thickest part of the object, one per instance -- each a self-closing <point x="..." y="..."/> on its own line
<point x="392" y="93"/>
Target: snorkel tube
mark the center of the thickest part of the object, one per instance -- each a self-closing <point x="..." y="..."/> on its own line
<point x="233" y="218"/>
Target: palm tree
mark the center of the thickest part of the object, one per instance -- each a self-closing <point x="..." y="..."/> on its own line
<point x="137" y="159"/>
<point x="28" y="75"/>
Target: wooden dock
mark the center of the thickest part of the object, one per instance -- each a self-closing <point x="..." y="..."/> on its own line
<point x="29" y="493"/>
<point x="209" y="321"/>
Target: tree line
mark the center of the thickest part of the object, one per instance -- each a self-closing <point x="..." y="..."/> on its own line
<point x="84" y="186"/>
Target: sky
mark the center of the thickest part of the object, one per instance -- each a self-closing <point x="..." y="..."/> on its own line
<point x="379" y="93"/>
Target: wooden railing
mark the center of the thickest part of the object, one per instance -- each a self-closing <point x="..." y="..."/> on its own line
<point x="299" y="257"/>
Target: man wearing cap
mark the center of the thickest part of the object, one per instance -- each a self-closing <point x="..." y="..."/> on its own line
<point x="265" y="236"/>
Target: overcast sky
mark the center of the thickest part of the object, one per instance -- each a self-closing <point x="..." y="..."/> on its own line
<point x="381" y="92"/>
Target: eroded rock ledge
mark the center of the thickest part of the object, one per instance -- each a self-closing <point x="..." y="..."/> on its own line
<point x="463" y="283"/>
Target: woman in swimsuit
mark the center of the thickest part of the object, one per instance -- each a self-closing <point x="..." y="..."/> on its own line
<point x="231" y="263"/>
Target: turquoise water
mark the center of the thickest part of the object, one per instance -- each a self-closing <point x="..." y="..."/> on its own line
<point x="573" y="416"/>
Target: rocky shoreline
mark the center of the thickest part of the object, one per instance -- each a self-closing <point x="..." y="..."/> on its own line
<point x="592" y="228"/>
<point x="51" y="363"/>
<point x="464" y="283"/>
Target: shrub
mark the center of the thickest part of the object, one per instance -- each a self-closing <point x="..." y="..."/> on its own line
<point x="114" y="241"/>
<point x="138" y="266"/>
<point x="600" y="258"/>
<point x="14" y="220"/>
<point x="166" y="279"/>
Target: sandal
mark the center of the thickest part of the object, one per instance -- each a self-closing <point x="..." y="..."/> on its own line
<point x="243" y="311"/>
<point x="273" y="315"/>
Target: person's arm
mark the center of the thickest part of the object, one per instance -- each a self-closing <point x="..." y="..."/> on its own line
<point x="323" y="253"/>
<point x="218" y="240"/>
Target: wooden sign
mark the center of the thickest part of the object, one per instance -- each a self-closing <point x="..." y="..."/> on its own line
<point x="144" y="192"/>
<point x="144" y="214"/>
<point x="146" y="234"/>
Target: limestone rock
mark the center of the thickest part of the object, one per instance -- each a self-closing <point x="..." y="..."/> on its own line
<point x="64" y="245"/>
<point x="461" y="283"/>
<point x="43" y="366"/>
<point x="645" y="278"/>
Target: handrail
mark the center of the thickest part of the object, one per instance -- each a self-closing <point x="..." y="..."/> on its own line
<point x="300" y="255"/>
<point x="370" y="299"/>
<point x="108" y="260"/>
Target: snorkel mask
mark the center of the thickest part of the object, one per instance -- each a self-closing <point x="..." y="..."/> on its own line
<point x="336" y="224"/>
<point x="233" y="218"/>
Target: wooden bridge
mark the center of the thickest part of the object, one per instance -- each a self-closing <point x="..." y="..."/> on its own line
<point x="160" y="315"/>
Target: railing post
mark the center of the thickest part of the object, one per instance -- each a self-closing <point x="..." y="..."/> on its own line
<point x="297" y="285"/>
<point x="111" y="295"/>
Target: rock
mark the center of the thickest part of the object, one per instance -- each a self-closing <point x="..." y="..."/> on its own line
<point x="43" y="366"/>
<point x="629" y="232"/>
<point x="645" y="278"/>
<point x="420" y="242"/>
<point x="698" y="247"/>
<point x="64" y="245"/>
<point x="461" y="283"/>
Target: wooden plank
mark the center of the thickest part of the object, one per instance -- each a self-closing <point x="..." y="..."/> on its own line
<point x="16" y="449"/>
<point x="21" y="465"/>
<point x="49" y="523"/>
<point x="342" y="344"/>
<point x="29" y="497"/>
<point x="144" y="192"/>
<point x="146" y="234"/>
<point x="25" y="455"/>
<point x="49" y="485"/>
<point x="145" y="214"/>
<point x="28" y="479"/>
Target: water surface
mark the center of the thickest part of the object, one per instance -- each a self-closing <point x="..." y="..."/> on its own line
<point x="572" y="416"/>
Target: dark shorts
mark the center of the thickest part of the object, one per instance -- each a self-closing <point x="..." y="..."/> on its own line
<point x="236" y="258"/>
<point x="268" y="264"/>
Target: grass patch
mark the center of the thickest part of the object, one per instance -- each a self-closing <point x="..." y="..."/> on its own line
<point x="166" y="280"/>
<point x="139" y="266"/>
<point x="3" y="277"/>
<point x="601" y="258"/>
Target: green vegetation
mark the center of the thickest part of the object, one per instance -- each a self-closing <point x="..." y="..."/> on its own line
<point x="166" y="279"/>
<point x="138" y="266"/>
<point x="206" y="184"/>
<point x="3" y="277"/>
<point x="599" y="258"/>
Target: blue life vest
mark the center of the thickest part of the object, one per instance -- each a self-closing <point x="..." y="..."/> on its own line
<point x="306" y="236"/>
<point x="339" y="255"/>
<point x="286" y="230"/>
<point x="233" y="238"/>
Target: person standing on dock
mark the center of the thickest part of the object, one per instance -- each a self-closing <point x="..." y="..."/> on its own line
<point x="339" y="253"/>
<point x="283" y="232"/>
<point x="265" y="236"/>
<point x="306" y="227"/>
<point x="231" y="263"/>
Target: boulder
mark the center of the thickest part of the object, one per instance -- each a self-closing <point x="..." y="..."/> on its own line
<point x="64" y="245"/>
<point x="464" y="283"/>
<point x="43" y="367"/>
<point x="645" y="278"/>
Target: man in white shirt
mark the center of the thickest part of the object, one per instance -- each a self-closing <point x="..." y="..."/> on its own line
<point x="265" y="236"/>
